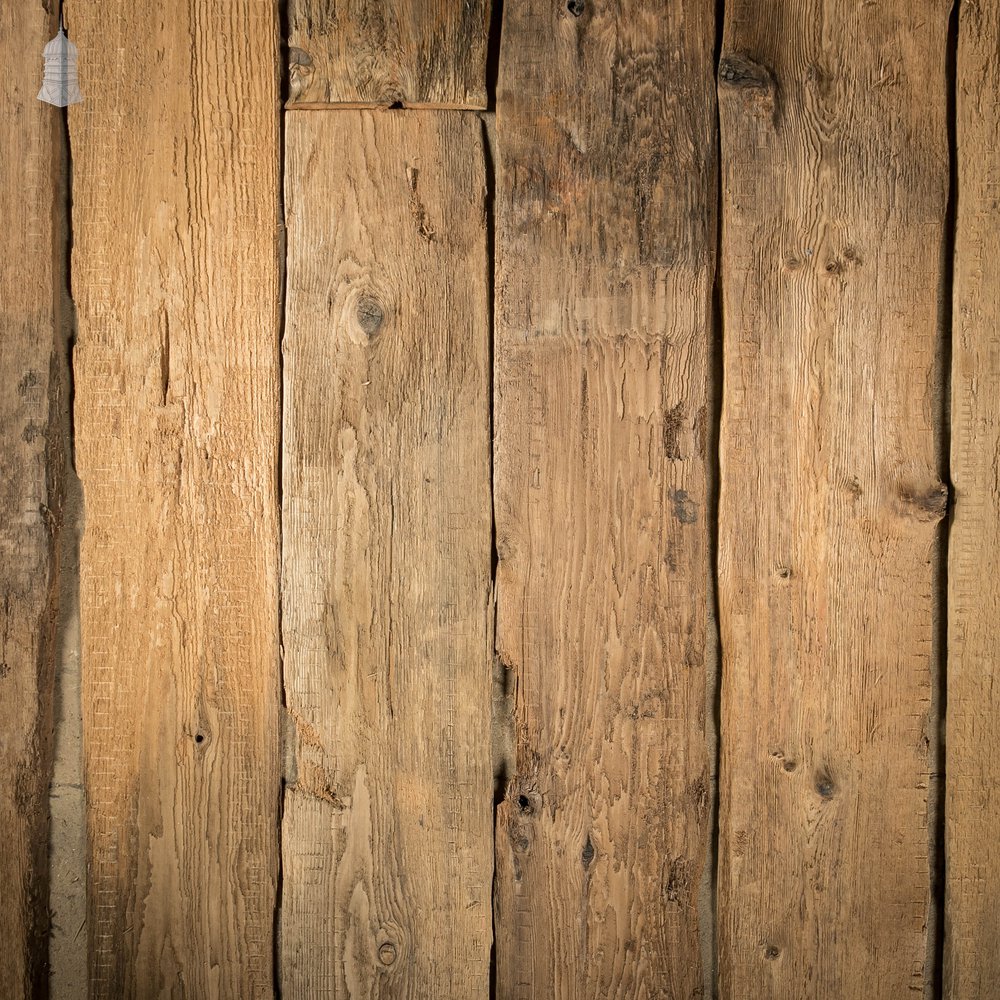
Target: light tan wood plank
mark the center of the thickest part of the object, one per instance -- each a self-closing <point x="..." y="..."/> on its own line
<point x="606" y="197"/>
<point x="31" y="446"/>
<point x="430" y="53"/>
<point x="386" y="839"/>
<point x="972" y="910"/>
<point x="835" y="177"/>
<point x="176" y="279"/>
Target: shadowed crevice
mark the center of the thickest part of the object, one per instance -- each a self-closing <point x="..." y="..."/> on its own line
<point x="937" y="847"/>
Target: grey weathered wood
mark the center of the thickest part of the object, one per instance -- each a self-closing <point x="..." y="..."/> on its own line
<point x="31" y="463"/>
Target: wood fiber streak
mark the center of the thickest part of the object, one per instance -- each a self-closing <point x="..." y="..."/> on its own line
<point x="386" y="839"/>
<point x="606" y="193"/>
<point x="176" y="279"/>
<point x="30" y="487"/>
<point x="834" y="190"/>
<point x="972" y="961"/>
<point x="415" y="52"/>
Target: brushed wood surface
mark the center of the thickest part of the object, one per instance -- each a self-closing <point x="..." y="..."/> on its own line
<point x="972" y="913"/>
<point x="176" y="281"/>
<point x="428" y="53"/>
<point x="606" y="202"/>
<point x="386" y="839"/>
<point x="834" y="157"/>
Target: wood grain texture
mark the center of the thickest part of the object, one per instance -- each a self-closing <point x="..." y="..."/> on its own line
<point x="428" y="53"/>
<point x="386" y="840"/>
<point x="31" y="286"/>
<point x="176" y="279"/>
<point x="606" y="201"/>
<point x="835" y="177"/>
<point x="972" y="962"/>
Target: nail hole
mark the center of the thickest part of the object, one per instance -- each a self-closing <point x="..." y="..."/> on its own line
<point x="771" y="952"/>
<point x="524" y="804"/>
<point x="575" y="7"/>
<point x="199" y="738"/>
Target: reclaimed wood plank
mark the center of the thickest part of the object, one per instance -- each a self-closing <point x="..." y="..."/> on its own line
<point x="606" y="195"/>
<point x="176" y="280"/>
<point x="31" y="395"/>
<point x="429" y="53"/>
<point x="972" y="915"/>
<point x="386" y="839"/>
<point x="835" y="177"/>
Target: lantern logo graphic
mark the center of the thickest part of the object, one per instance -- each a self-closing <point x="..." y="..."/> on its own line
<point x="59" y="85"/>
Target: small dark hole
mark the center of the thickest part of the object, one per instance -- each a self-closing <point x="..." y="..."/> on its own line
<point x="790" y="765"/>
<point x="575" y="7"/>
<point x="825" y="787"/>
<point x="199" y="738"/>
<point x="771" y="952"/>
<point x="524" y="803"/>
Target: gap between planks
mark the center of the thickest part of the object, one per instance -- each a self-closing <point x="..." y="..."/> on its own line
<point x="382" y="106"/>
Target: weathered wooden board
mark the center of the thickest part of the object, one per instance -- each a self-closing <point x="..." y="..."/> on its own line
<point x="386" y="838"/>
<point x="429" y="53"/>
<point x="31" y="286"/>
<point x="606" y="198"/>
<point x="835" y="177"/>
<point x="176" y="280"/>
<point x="972" y="910"/>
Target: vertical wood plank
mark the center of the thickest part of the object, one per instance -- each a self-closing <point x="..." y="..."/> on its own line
<point x="30" y="486"/>
<point x="606" y="200"/>
<point x="972" y="926"/>
<point x="176" y="279"/>
<point x="835" y="176"/>
<point x="414" y="52"/>
<point x="386" y="839"/>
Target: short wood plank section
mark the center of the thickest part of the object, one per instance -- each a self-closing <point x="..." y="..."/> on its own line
<point x="972" y="910"/>
<point x="176" y="280"/>
<point x="835" y="177"/>
<point x="31" y="282"/>
<point x="386" y="839"/>
<point x="429" y="53"/>
<point x="606" y="195"/>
